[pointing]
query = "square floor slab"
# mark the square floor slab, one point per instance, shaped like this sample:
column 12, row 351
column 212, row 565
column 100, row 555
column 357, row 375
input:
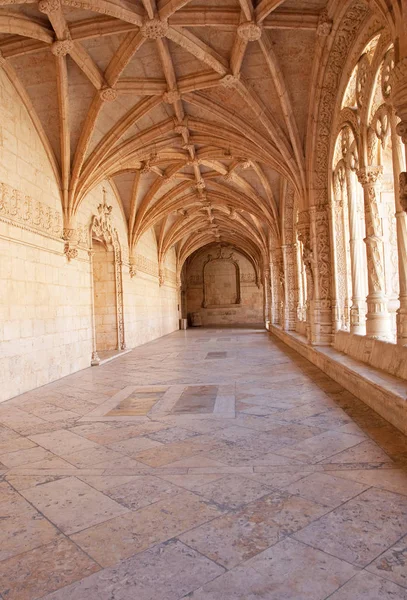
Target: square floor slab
column 72, row 504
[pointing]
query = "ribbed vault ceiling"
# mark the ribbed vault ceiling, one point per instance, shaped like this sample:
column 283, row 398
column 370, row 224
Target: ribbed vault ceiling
column 196, row 111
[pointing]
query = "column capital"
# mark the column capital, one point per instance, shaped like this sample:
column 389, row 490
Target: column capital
column 369, row 175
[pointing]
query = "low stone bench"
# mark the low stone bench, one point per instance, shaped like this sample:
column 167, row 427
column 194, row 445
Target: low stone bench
column 383, row 392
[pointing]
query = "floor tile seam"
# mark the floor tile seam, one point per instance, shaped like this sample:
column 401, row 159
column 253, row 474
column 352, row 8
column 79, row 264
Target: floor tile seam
column 375, row 486
column 362, row 441
column 344, row 583
column 61, row 533
column 291, row 537
column 331, row 510
column 381, row 554
column 225, row 569
column 368, row 487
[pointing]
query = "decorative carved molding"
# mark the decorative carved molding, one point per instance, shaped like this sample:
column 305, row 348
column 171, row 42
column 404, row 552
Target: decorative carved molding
column 154, row 29
column 49, row 6
column 249, row 31
column 108, row 94
column 171, row 96
column 222, row 255
column 62, row 47
column 30, row 214
column 102, row 229
column 230, row 81
column 324, row 26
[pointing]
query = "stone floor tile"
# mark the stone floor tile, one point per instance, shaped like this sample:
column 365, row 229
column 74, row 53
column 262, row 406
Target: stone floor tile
column 174, row 434
column 135, row 445
column 170, row 572
column 168, row 453
column 22, row 482
column 392, row 564
column 22, row 457
column 365, row 452
column 35, row 573
column 191, row 482
column 22, row 528
column 72, row 504
column 320, row 446
column 326, row 489
column 394, row 480
column 280, row 573
column 62, row 442
column 233, row 491
column 137, row 531
column 141, row 491
column 103, row 483
column 361, row 529
column 92, row 456
column 15, row 443
column 366, row 586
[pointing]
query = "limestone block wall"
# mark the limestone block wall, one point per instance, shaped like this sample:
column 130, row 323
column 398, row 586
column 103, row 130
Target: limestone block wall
column 46, row 320
column 250, row 308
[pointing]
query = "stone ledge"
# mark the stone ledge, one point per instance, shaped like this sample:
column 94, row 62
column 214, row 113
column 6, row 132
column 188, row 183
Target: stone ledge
column 384, row 393
column 386, row 356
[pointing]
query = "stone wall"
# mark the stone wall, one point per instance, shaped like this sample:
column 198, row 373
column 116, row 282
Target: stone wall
column 215, row 285
column 46, row 329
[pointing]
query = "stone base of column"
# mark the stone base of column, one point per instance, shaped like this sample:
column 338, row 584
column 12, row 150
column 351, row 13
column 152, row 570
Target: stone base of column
column 320, row 330
column 402, row 325
column 95, row 361
column 378, row 321
column 357, row 318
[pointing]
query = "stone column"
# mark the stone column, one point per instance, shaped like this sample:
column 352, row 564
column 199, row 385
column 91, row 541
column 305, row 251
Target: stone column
column 276, row 297
column 304, row 236
column 266, row 298
column 289, row 317
column 401, row 224
column 358, row 308
column 378, row 324
column 337, row 253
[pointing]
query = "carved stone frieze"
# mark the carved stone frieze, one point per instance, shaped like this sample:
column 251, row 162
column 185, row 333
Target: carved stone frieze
column 62, row 47
column 108, row 94
column 49, row 6
column 25, row 212
column 324, row 26
column 249, row 31
column 154, row 29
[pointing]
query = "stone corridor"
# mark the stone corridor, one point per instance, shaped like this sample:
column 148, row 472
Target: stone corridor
column 210, row 464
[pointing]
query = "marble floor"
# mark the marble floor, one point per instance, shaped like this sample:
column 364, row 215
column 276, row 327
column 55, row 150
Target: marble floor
column 210, row 465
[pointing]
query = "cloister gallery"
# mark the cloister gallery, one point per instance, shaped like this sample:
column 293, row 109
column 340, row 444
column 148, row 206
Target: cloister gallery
column 232, row 173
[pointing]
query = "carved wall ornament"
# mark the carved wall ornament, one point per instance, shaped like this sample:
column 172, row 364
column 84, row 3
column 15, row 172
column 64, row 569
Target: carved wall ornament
column 62, row 47
column 171, row 96
column 223, row 254
column 108, row 94
column 102, row 229
column 154, row 29
column 27, row 213
column 49, row 6
column 401, row 129
column 230, row 81
column 249, row 31
column 324, row 27
column 388, row 66
column 361, row 79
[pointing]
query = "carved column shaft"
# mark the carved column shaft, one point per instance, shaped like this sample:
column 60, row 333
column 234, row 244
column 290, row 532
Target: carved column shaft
column 358, row 308
column 377, row 318
column 276, row 297
column 289, row 319
column 401, row 224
